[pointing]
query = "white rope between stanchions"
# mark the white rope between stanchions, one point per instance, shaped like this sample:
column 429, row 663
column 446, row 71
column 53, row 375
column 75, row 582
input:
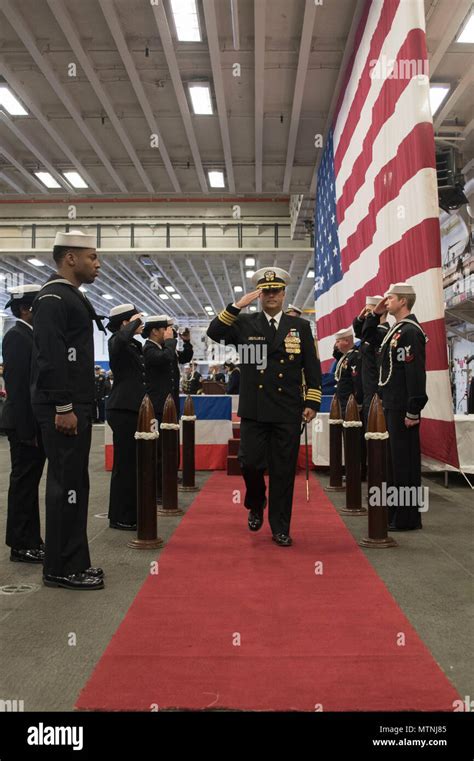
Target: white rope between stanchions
column 352, row 424
column 188, row 417
column 147, row 436
column 335, row 421
column 169, row 426
column 377, row 436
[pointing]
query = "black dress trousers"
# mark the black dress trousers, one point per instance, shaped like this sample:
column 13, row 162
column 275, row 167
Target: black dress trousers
column 23, row 520
column 123, row 483
column 67, row 491
column 274, row 446
column 405, row 456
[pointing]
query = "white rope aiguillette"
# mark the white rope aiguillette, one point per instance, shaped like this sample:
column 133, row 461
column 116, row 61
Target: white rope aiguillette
column 147, row 436
column 169, row 426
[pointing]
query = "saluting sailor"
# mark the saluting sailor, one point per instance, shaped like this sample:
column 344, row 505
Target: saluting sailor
column 123, row 404
column 26, row 448
column 161, row 369
column 62, row 398
column 402, row 387
column 348, row 369
column 371, row 334
column 275, row 349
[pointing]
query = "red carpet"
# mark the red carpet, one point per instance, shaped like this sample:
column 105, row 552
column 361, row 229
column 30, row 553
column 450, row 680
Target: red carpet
column 305, row 639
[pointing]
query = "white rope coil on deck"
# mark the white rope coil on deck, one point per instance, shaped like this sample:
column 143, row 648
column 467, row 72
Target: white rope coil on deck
column 147, row 436
column 352, row 424
column 376, row 436
column 335, row 421
column 169, row 426
column 188, row 417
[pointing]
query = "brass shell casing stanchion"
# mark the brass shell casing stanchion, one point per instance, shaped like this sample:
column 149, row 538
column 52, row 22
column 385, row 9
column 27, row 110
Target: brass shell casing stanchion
column 352, row 425
column 335, row 447
column 189, row 470
column 169, row 452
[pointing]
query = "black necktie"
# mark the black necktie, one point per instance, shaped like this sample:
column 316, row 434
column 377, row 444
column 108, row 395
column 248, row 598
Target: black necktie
column 273, row 326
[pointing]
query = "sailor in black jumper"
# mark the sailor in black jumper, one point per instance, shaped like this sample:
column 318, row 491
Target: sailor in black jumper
column 26, row 448
column 348, row 369
column 275, row 349
column 371, row 336
column 62, row 398
column 162, row 371
column 123, row 404
column 402, row 387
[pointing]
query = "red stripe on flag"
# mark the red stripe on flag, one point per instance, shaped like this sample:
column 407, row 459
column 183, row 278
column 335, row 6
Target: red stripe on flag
column 436, row 348
column 383, row 109
column 417, row 251
column 348, row 73
column 438, row 440
column 365, row 82
column 415, row 152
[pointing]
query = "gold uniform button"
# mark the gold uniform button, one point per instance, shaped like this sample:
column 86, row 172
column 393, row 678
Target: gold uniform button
column 260, row 386
column 280, row 375
column 279, row 389
column 282, row 361
column 261, row 372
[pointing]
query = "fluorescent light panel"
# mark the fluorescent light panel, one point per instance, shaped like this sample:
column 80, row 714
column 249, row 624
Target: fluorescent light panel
column 75, row 179
column 249, row 273
column 467, row 32
column 216, row 179
column 47, row 179
column 250, row 261
column 310, row 273
column 437, row 95
column 10, row 103
column 186, row 20
column 201, row 100
column 36, row 262
column 107, row 296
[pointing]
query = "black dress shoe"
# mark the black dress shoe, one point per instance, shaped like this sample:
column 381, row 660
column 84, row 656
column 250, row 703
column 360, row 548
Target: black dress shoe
column 97, row 573
column 74, row 581
column 283, row 540
column 255, row 519
column 391, row 527
column 123, row 526
column 26, row 556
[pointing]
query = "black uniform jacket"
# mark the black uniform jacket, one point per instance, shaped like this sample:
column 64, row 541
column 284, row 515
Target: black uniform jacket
column 62, row 371
column 233, row 384
column 17, row 411
column 162, row 372
column 271, row 378
column 348, row 375
column 127, row 365
column 371, row 337
column 406, row 389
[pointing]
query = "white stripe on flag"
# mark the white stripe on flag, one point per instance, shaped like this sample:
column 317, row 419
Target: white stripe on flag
column 438, row 389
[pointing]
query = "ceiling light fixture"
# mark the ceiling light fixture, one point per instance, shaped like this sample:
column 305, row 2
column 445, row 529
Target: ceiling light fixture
column 438, row 94
column 47, row 179
column 10, row 102
column 216, row 179
column 200, row 94
column 75, row 179
column 186, row 20
column 466, row 34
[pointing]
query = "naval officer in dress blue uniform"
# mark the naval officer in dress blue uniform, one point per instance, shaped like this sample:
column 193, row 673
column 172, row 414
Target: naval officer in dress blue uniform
column 26, row 448
column 275, row 348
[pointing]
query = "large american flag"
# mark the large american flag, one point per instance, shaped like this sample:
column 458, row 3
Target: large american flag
column 377, row 215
